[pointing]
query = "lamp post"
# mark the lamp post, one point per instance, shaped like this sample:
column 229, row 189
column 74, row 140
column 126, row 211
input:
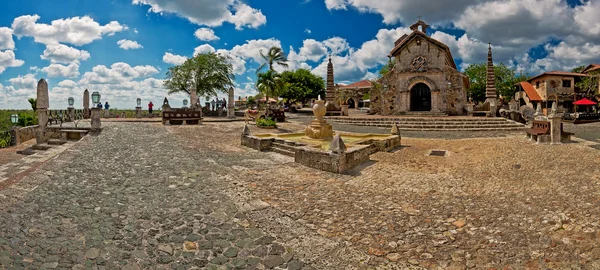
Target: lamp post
column 71, row 109
column 95, row 121
column 95, row 98
column 14, row 119
column 138, row 109
column 71, row 101
column 449, row 85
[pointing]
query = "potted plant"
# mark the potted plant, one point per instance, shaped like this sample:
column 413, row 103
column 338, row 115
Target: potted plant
column 266, row 123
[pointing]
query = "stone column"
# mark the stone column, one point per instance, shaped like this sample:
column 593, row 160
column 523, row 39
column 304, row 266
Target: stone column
column 42, row 111
column 555, row 125
column 193, row 99
column 435, row 100
column 404, row 101
column 138, row 112
column 86, row 104
column 230, row 105
column 95, row 115
column 71, row 112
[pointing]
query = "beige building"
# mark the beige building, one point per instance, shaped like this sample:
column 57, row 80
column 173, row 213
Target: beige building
column 424, row 78
column 552, row 86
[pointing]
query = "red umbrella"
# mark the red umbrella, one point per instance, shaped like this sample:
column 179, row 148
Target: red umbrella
column 584, row 101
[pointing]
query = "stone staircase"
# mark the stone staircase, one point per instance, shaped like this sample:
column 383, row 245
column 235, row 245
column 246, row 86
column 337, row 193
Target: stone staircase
column 283, row 147
column 434, row 123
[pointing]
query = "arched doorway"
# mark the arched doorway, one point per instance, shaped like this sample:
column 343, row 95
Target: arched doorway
column 351, row 104
column 420, row 98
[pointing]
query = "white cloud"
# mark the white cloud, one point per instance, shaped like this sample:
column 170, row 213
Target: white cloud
column 586, row 16
column 67, row 84
column 251, row 49
column 204, row 48
column 59, row 53
column 6, row 39
column 8, row 59
column 58, row 70
column 126, row 44
column 307, row 31
column 173, row 59
column 206, row 34
column 77, row 30
column 209, row 12
column 117, row 73
column 24, row 82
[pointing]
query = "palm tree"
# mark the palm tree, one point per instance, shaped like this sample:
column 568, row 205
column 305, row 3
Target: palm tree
column 33, row 102
column 274, row 56
column 269, row 83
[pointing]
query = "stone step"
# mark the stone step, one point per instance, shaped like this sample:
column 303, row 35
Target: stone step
column 425, row 123
column 41, row 147
column 27, row 151
column 56, row 142
column 420, row 120
column 283, row 151
column 283, row 146
column 435, row 125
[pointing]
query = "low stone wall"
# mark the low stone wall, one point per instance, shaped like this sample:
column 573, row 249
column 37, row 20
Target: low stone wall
column 332, row 162
column 25, row 134
column 256, row 143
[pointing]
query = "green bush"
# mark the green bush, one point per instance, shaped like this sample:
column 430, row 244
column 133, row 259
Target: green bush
column 266, row 122
column 27, row 119
column 5, row 139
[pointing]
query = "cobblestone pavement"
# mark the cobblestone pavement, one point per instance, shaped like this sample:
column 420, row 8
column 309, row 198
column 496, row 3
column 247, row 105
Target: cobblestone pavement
column 590, row 132
column 492, row 203
column 134, row 197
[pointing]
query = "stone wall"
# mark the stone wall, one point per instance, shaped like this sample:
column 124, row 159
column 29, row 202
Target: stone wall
column 25, row 134
column 331, row 162
column 256, row 143
column 435, row 75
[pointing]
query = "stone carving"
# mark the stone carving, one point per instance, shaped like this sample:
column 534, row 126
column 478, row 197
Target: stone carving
column 337, row 145
column 246, row 131
column 419, row 64
column 395, row 130
column 319, row 128
column 42, row 111
column 86, row 104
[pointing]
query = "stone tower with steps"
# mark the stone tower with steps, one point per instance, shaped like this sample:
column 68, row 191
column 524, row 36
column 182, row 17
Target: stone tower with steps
column 490, row 86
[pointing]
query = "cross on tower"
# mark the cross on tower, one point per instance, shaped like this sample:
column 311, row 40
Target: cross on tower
column 419, row 17
column 489, row 44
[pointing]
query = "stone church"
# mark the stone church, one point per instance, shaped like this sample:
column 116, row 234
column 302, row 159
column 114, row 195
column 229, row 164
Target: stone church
column 424, row 79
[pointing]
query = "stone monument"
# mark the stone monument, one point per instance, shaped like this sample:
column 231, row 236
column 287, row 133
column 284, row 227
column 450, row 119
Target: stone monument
column 230, row 104
column 331, row 106
column 86, row 104
column 319, row 128
column 95, row 119
column 42, row 110
column 555, row 122
column 490, row 86
column 193, row 99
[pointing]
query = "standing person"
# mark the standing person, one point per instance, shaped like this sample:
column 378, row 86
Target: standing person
column 150, row 105
column 224, row 104
column 212, row 104
column 106, row 110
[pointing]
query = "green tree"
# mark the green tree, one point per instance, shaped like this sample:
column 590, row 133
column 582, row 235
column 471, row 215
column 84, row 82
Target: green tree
column 270, row 84
column 588, row 84
column 33, row 102
column 506, row 79
column 386, row 68
column 208, row 73
column 275, row 56
column 250, row 101
column 301, row 86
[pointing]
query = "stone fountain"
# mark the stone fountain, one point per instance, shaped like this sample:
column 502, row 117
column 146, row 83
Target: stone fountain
column 319, row 128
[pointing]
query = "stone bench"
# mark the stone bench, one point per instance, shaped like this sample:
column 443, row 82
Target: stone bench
column 74, row 134
column 539, row 131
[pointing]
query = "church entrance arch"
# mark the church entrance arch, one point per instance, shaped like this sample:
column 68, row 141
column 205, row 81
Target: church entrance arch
column 351, row 103
column 420, row 98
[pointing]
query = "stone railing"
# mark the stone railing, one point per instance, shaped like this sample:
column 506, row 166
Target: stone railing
column 58, row 117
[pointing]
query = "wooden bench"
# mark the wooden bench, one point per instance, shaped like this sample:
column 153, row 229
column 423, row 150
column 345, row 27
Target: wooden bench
column 539, row 128
column 277, row 115
column 177, row 117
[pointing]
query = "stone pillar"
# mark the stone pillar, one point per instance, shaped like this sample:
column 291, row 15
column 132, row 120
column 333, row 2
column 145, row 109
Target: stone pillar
column 404, row 102
column 95, row 115
column 14, row 133
column 230, row 105
column 42, row 111
column 86, row 104
column 193, row 99
column 330, row 91
column 138, row 112
column 71, row 112
column 344, row 110
column 435, row 100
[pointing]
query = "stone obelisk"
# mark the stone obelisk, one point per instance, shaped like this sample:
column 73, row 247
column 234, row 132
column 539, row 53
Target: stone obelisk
column 193, row 99
column 86, row 104
column 42, row 105
column 230, row 104
column 330, row 91
column 490, row 86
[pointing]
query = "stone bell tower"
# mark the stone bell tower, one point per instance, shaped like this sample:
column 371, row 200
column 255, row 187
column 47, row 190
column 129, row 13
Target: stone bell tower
column 490, row 86
column 330, row 92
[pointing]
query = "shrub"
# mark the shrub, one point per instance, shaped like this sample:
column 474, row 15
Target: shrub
column 266, row 122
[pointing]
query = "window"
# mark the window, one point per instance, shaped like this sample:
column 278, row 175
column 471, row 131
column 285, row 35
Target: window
column 566, row 83
column 537, row 84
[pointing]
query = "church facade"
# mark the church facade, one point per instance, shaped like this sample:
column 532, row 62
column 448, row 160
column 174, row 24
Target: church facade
column 424, row 78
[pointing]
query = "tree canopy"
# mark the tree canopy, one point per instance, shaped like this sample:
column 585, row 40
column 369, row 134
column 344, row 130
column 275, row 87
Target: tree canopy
column 301, row 86
column 269, row 83
column 208, row 73
column 506, row 79
column 275, row 56
column 588, row 84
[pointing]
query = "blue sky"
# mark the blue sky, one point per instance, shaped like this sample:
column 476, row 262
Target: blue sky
column 122, row 48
